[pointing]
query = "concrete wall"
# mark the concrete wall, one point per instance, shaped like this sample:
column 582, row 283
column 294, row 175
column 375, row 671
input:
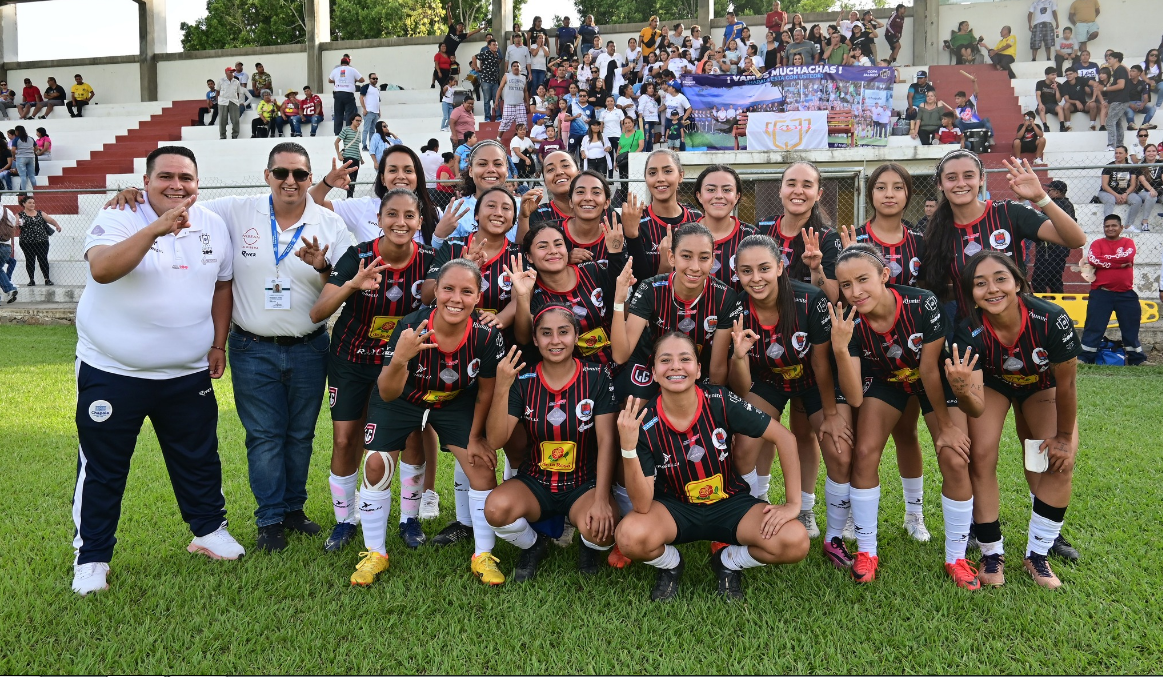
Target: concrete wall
column 114, row 79
column 185, row 78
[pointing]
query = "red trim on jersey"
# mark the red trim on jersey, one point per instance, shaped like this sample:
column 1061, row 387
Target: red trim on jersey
column 694, row 421
column 1025, row 314
column 895, row 318
column 658, row 219
column 401, row 269
column 576, row 282
column 974, row 222
column 751, row 307
column 577, row 370
column 562, row 215
column 733, row 233
column 872, row 236
column 463, row 339
column 583, row 245
column 504, row 248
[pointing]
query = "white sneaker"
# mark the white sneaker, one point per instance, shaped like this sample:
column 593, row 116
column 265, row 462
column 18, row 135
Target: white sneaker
column 1110, row 148
column 90, row 577
column 217, row 545
column 429, row 505
column 1039, row 161
column 808, row 519
column 566, row 537
column 915, row 526
column 1132, row 229
column 849, row 533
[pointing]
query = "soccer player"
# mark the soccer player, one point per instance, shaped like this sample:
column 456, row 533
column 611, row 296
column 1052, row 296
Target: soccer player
column 377, row 283
column 803, row 219
column 439, row 370
column 1024, row 352
column 487, row 167
column 677, row 459
column 558, row 169
column 888, row 351
column 718, row 190
column 782, row 352
column 890, row 189
column 589, row 201
column 567, row 409
column 665, row 213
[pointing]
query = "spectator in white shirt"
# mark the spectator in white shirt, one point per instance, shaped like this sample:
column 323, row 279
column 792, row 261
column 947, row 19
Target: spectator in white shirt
column 344, row 79
column 520, row 53
column 232, row 95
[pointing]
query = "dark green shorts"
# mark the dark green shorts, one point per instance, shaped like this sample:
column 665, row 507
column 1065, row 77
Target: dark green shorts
column 349, row 385
column 390, row 423
column 1011, row 392
column 899, row 399
column 777, row 398
column 554, row 502
column 715, row 522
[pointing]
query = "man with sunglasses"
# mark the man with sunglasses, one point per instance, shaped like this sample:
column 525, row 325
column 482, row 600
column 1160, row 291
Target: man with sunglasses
column 7, row 99
column 278, row 356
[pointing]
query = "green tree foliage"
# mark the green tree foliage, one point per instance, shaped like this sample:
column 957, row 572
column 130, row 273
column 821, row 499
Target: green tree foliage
column 637, row 11
column 246, row 23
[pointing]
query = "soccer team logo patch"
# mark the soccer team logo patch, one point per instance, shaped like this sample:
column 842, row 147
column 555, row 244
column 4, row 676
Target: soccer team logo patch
column 999, row 239
column 585, row 410
column 332, row 394
column 640, row 375
column 369, row 433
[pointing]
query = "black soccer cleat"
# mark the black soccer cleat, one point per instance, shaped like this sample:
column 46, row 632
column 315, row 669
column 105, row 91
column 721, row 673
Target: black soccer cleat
column 1062, row 548
column 730, row 581
column 455, row 532
column 297, row 520
column 587, row 559
column 529, row 560
column 666, row 584
column 341, row 534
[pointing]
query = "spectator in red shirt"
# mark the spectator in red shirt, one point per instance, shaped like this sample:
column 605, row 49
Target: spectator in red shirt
column 311, row 108
column 448, row 171
column 776, row 18
column 559, row 83
column 33, row 101
column 462, row 121
column 443, row 66
column 894, row 30
column 1113, row 289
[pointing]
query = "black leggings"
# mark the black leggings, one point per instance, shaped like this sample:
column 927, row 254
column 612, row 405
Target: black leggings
column 353, row 175
column 34, row 251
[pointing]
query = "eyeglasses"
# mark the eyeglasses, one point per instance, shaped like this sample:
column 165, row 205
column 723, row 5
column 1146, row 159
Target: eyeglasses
column 1142, row 136
column 281, row 174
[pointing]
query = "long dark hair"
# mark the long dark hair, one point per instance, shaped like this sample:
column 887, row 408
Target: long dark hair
column 785, row 303
column 532, row 233
column 941, row 236
column 817, row 220
column 21, row 132
column 897, row 169
column 428, row 217
column 1025, row 292
column 711, row 170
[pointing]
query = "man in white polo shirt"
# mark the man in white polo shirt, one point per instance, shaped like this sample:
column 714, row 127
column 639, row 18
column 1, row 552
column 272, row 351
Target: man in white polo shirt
column 343, row 80
column 278, row 356
column 151, row 334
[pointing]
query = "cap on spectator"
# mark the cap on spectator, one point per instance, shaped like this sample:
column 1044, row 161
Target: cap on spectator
column 538, row 117
column 922, row 74
column 345, row 60
column 230, row 69
column 1059, row 186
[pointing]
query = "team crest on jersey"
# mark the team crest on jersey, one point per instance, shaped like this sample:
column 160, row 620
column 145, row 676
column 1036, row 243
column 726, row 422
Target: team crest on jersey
column 916, row 341
column 369, row 433
column 585, row 410
column 915, row 266
column 1040, row 357
column 719, row 438
column 332, row 394
column 999, row 239
column 710, row 324
column 799, row 343
column 416, row 288
column 474, row 368
column 640, row 375
column 867, row 383
column 597, row 297
column 505, row 280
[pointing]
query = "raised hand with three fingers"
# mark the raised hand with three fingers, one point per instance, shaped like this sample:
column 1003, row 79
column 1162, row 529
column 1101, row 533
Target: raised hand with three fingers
column 369, row 276
column 630, row 422
column 311, row 254
column 413, row 341
column 631, row 214
column 812, row 257
column 742, row 339
column 612, row 232
column 847, row 236
column 524, row 280
column 843, row 323
column 508, row 368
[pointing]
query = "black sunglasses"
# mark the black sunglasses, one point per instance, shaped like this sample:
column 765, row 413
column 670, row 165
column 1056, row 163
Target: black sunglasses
column 281, row 174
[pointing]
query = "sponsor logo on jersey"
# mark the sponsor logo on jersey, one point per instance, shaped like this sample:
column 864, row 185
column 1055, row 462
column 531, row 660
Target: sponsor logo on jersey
column 369, row 433
column 383, row 326
column 100, row 410
column 915, row 266
column 528, row 374
column 650, row 424
column 597, row 298
column 592, row 341
column 416, row 289
column 709, row 490
column 1063, row 322
column 661, row 283
column 585, row 409
column 999, row 239
column 558, row 456
column 332, row 394
column 250, row 239
column 719, row 438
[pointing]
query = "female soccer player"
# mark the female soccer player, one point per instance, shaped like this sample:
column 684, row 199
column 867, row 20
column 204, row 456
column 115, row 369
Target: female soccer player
column 809, row 245
column 488, row 167
column 567, row 409
column 1024, row 352
column 717, row 190
column 782, row 351
column 890, row 189
column 888, row 351
column 677, row 459
column 439, row 371
column 558, row 169
column 376, row 283
column 660, row 218
column 589, row 201
column 583, row 287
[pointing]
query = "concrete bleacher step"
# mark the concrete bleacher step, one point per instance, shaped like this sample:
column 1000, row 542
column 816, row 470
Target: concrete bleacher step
column 43, row 294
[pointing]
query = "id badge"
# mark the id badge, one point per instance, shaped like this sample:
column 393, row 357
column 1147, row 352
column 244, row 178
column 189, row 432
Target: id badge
column 277, row 294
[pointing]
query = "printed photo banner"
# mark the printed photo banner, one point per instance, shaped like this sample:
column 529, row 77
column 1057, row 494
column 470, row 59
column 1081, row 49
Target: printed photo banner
column 837, row 103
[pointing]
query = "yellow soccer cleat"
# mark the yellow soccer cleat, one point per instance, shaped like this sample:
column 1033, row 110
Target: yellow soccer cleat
column 372, row 564
column 484, row 567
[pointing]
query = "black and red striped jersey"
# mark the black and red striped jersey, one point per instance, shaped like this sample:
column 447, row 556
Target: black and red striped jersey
column 829, row 247
column 496, row 287
column 547, row 213
column 560, row 423
column 654, row 301
column 695, row 465
column 903, row 258
column 595, row 284
column 440, row 374
column 723, row 264
column 1001, row 228
column 1046, row 338
column 652, row 230
column 781, row 355
column 895, row 356
column 369, row 317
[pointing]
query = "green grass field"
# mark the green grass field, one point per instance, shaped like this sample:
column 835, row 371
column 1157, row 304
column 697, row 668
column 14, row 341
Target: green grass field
column 172, row 612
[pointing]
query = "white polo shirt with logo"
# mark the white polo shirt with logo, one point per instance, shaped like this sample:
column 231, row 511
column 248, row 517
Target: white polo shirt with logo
column 248, row 221
column 154, row 322
column 344, row 78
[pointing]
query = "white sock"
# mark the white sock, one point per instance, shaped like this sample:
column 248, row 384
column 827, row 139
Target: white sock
column 510, row 472
column 865, row 510
column 807, row 501
column 460, row 486
column 482, row 531
column 958, row 515
column 1042, row 533
column 669, row 558
column 595, row 546
column 996, row 548
column 837, row 498
column 373, row 513
column 518, row 533
column 622, row 498
column 762, row 484
column 738, row 557
column 411, row 487
column 343, row 497
column 752, row 480
column 914, row 489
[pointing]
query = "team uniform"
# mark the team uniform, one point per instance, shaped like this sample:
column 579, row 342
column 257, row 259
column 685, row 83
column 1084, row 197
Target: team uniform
column 890, row 362
column 1020, row 370
column 695, row 476
column 595, row 283
column 597, row 248
column 829, row 246
column 780, row 364
column 496, row 286
column 655, row 302
column 366, row 323
column 902, row 258
column 723, row 264
column 563, row 461
column 651, row 231
column 548, row 213
column 440, row 389
column 1001, row 228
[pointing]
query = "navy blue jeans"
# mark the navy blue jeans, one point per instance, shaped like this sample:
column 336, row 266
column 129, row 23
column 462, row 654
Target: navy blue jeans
column 1128, row 313
column 278, row 391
